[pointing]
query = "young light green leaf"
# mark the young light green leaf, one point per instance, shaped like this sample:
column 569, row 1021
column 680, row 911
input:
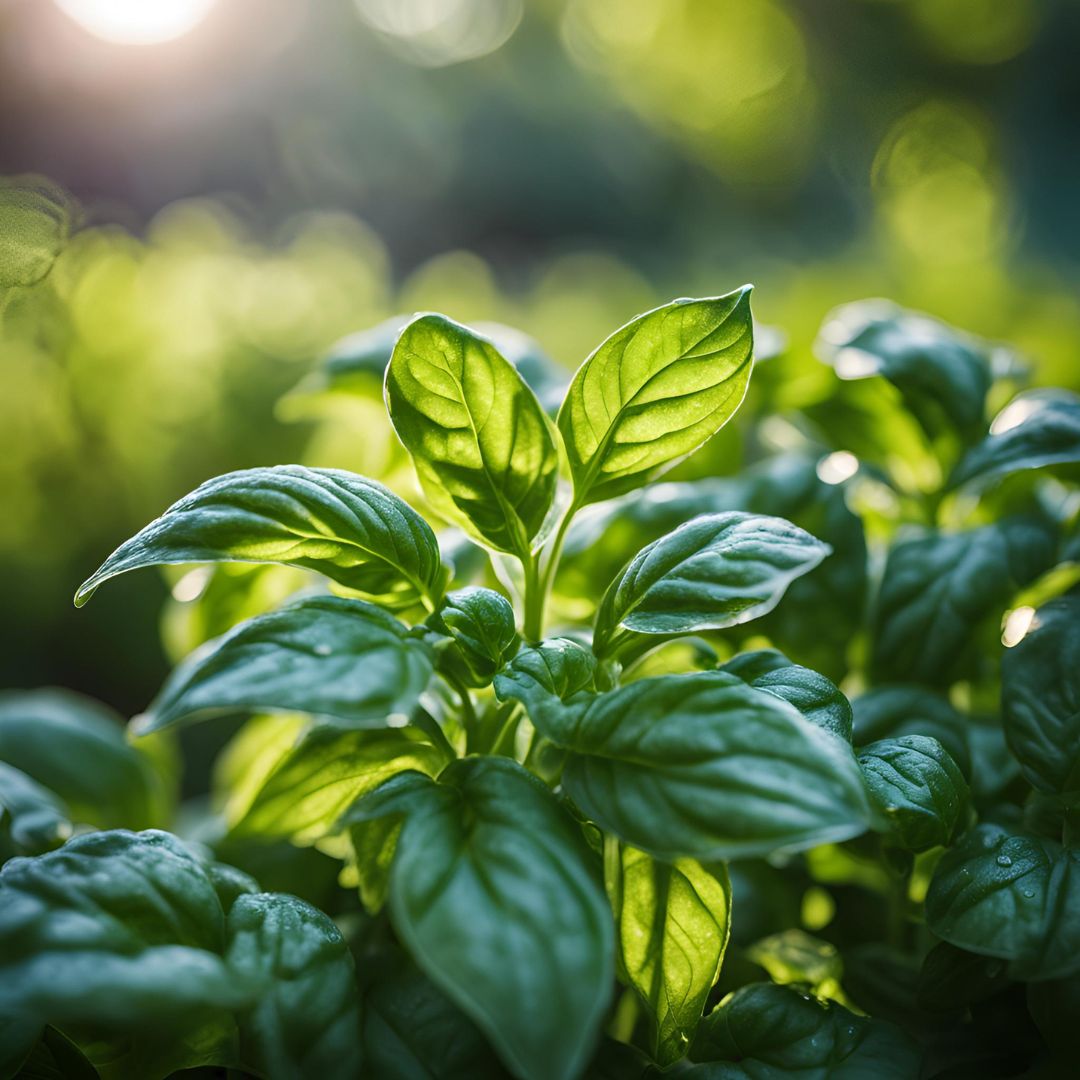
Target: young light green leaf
column 1035, row 430
column 32, row 818
column 794, row 956
column 482, row 628
column 76, row 748
column 341, row 659
column 326, row 772
column 672, row 922
column 1040, row 697
column 1013, row 896
column 942, row 373
column 939, row 588
column 768, row 1031
column 35, row 221
column 492, row 891
column 351, row 529
column 715, row 571
column 703, row 766
column 655, row 391
column 114, row 927
column 918, row 787
column 306, row 1021
column 483, row 448
column 888, row 712
column 817, row 698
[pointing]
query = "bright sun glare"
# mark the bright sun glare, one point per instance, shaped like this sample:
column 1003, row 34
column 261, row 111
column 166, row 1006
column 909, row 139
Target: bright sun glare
column 136, row 22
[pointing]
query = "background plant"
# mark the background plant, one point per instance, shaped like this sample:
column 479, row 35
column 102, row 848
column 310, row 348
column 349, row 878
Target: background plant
column 593, row 736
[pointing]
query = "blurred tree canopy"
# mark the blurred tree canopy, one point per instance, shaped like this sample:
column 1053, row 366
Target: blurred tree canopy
column 221, row 208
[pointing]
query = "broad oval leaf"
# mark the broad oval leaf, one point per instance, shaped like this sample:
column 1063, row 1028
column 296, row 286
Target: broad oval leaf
column 888, row 712
column 492, row 891
column 308, row 790
column 482, row 446
column 545, row 676
column 1036, row 429
column 483, row 631
column 32, row 818
column 1016, row 897
column 942, row 373
column 76, row 747
column 715, row 571
column 672, row 922
column 938, row 589
column 351, row 529
column 1040, row 697
column 655, row 391
column 918, row 787
column 306, row 1021
column 768, row 1031
column 704, row 766
column 326, row 655
column 112, row 927
column 819, row 699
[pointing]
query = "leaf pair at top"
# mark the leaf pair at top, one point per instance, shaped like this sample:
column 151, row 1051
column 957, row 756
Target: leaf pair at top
column 486, row 453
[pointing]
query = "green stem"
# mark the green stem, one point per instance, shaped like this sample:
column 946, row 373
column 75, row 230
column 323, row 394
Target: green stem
column 538, row 584
column 430, row 727
column 468, row 711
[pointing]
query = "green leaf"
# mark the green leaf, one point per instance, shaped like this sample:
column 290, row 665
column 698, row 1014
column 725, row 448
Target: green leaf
column 1036, row 429
column 309, row 788
column 918, row 787
column 888, row 712
column 32, row 818
column 768, row 1032
column 1040, row 697
column 672, row 923
column 1013, row 896
column 938, row 589
column 345, row 660
column 306, row 1021
column 113, row 927
column 794, row 956
column 481, row 624
column 817, row 698
column 412, row 1031
column 951, row 978
column 56, row 1057
column 545, row 676
column 655, row 391
column 703, row 766
column 715, row 571
column 35, row 221
column 492, row 891
column 942, row 373
column 351, row 529
column 483, row 448
column 76, row 748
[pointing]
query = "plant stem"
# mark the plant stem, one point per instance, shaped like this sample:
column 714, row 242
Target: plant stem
column 538, row 584
column 468, row 711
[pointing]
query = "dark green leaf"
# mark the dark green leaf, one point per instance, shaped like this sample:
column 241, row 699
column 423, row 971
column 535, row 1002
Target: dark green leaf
column 672, row 923
column 482, row 446
column 113, row 927
column 545, row 676
column 1040, row 697
column 412, row 1031
column 342, row 659
column 32, row 818
column 888, row 712
column 56, row 1057
column 492, row 892
column 481, row 624
column 715, row 571
column 306, row 1021
column 938, row 589
column 952, row 978
column 766, row 1031
column 918, row 787
column 942, row 373
column 309, row 789
column 704, row 766
column 76, row 748
column 817, row 698
column 655, row 391
column 351, row 529
column 1016, row 897
column 1035, row 430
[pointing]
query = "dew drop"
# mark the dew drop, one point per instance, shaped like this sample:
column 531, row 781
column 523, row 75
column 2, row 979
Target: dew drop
column 1029, row 893
column 1004, row 860
column 323, row 650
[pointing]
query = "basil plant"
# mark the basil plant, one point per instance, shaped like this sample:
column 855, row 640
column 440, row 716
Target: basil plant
column 570, row 787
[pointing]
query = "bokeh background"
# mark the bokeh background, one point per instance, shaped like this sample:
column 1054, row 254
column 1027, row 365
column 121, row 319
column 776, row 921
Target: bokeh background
column 209, row 213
